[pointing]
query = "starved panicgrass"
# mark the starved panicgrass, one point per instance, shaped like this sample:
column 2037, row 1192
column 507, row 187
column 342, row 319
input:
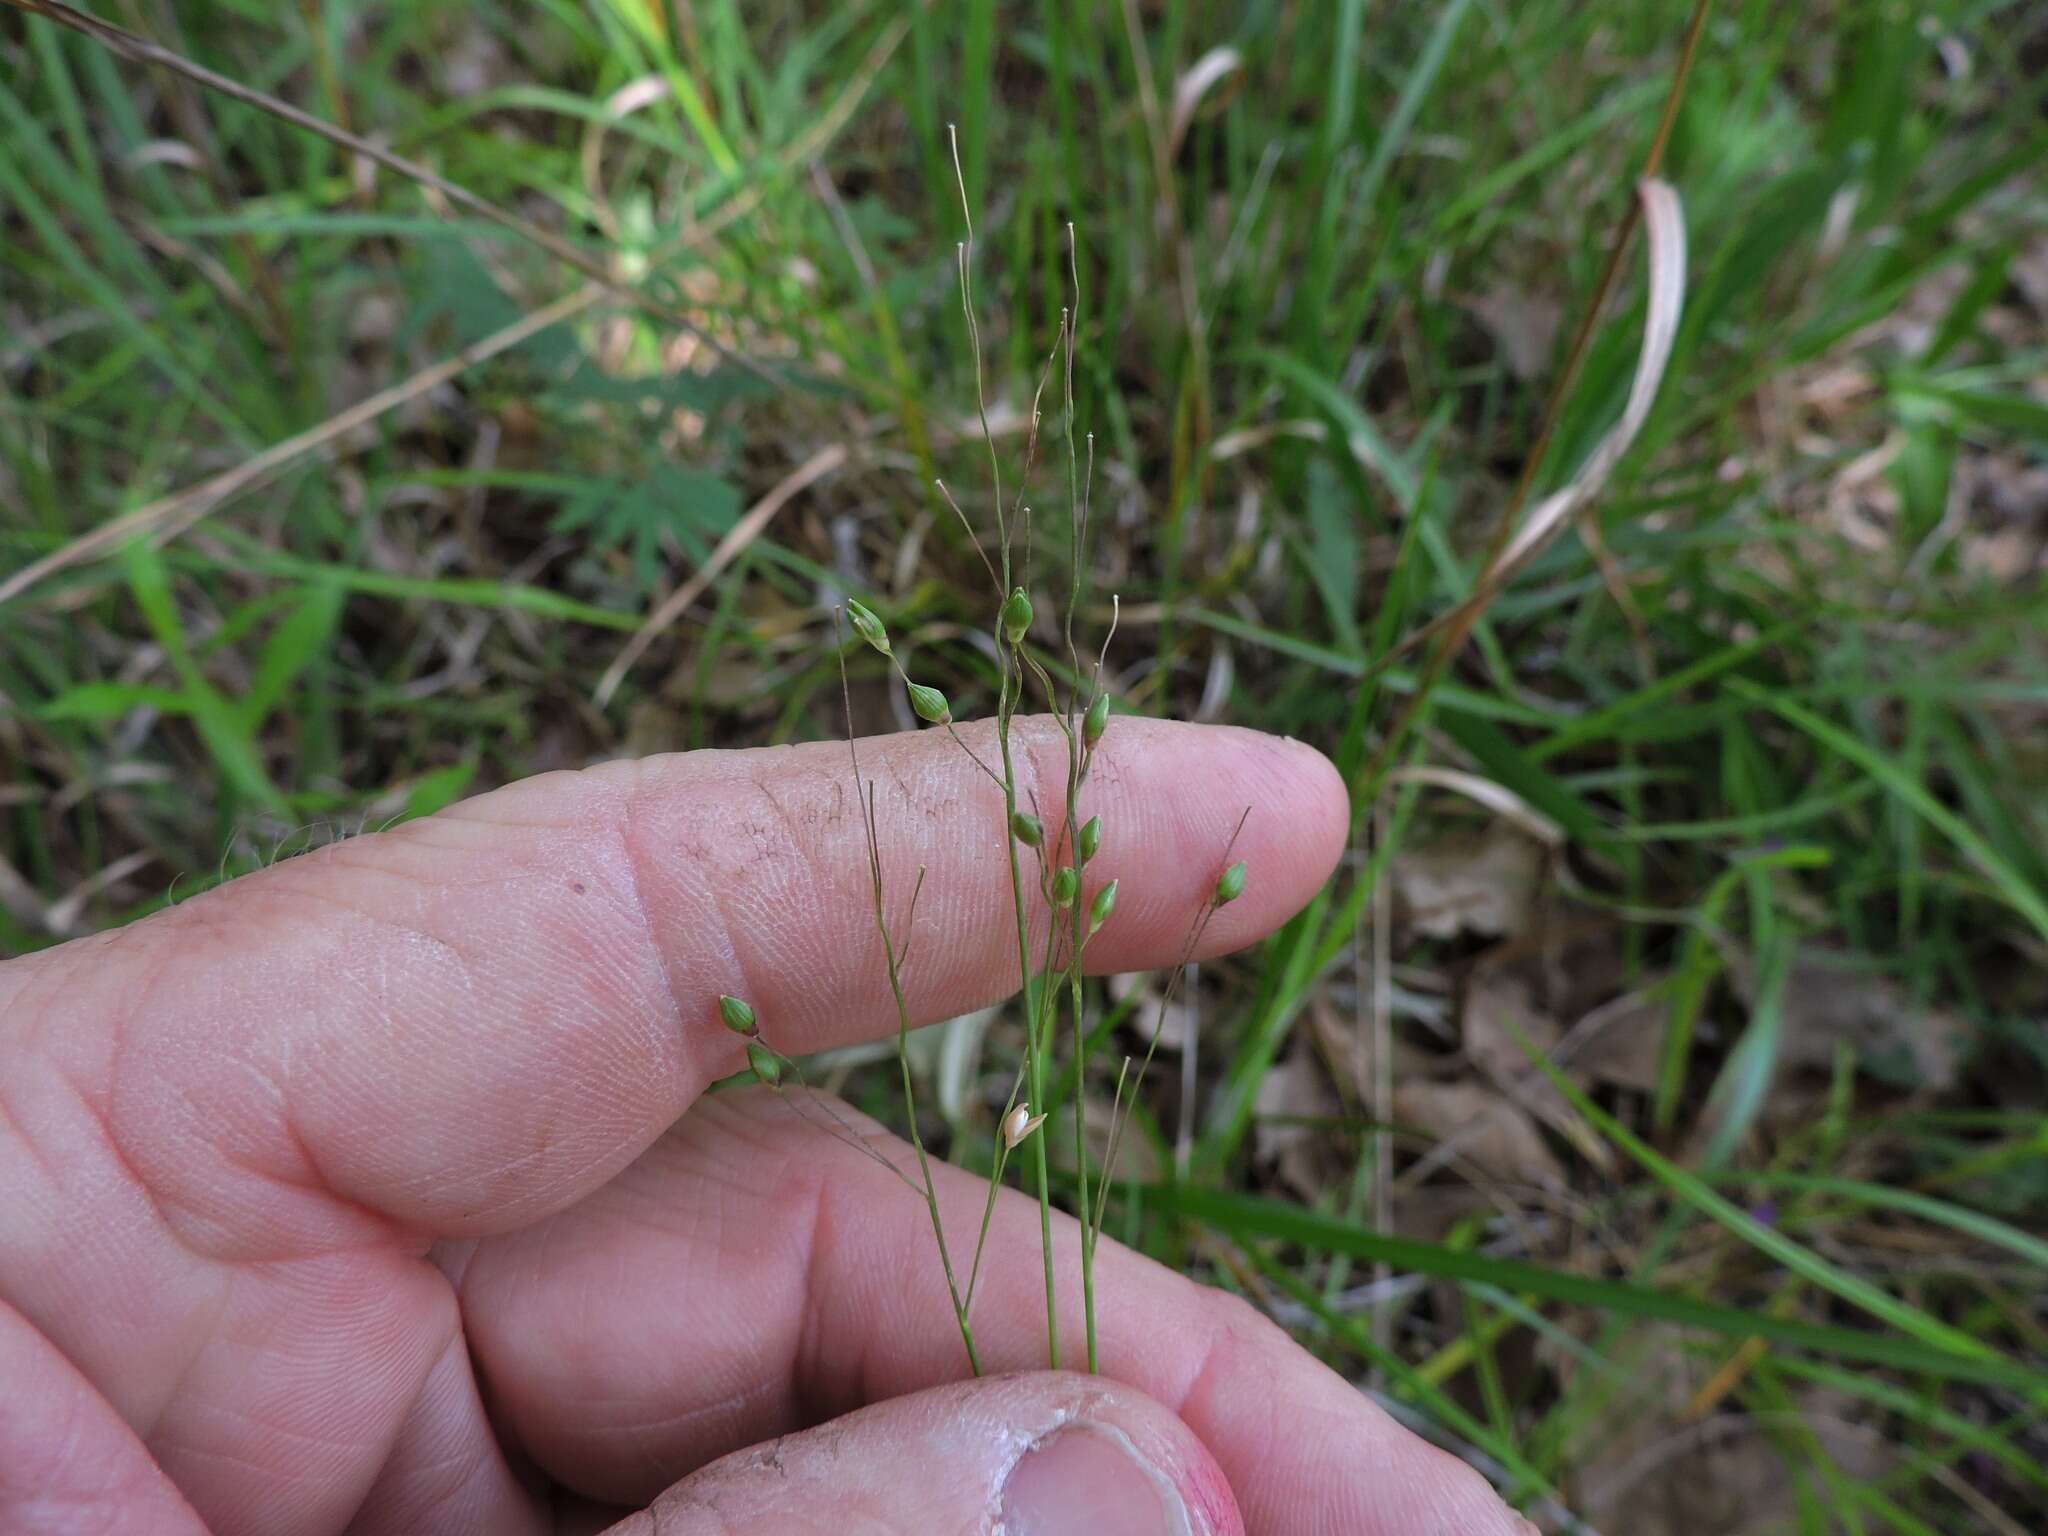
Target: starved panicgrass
column 1078, row 702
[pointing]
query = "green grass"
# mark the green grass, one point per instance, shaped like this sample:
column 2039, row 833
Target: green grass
column 1827, row 744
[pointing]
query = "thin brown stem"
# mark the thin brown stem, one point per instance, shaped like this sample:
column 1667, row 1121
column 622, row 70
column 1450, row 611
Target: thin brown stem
column 1118, row 1120
column 1458, row 625
column 966, row 258
column 974, row 539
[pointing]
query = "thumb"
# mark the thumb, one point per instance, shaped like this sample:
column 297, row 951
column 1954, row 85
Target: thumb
column 1044, row 1454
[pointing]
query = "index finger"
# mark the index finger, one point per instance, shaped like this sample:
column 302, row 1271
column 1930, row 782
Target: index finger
column 475, row 1019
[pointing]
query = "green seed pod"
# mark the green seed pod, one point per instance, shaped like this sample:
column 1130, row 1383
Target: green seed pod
column 1016, row 615
column 1096, row 721
column 1088, row 841
column 867, row 626
column 1230, row 884
column 1103, row 905
column 930, row 704
column 739, row 1018
column 766, row 1064
column 1065, row 886
column 1026, row 829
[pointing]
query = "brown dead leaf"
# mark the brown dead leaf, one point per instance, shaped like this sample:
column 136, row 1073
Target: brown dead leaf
column 2005, row 534
column 373, row 318
column 2004, row 487
column 1175, row 1022
column 2029, row 274
column 1641, row 1437
column 1618, row 1043
column 1708, row 1479
column 1347, row 1046
column 1136, row 1158
column 1523, row 327
column 732, row 681
column 1833, row 394
column 1481, row 884
column 655, row 727
column 1896, row 1039
column 1431, row 1212
column 1494, row 1000
column 2008, row 557
column 1656, row 1475
column 1479, row 1125
column 1296, row 1091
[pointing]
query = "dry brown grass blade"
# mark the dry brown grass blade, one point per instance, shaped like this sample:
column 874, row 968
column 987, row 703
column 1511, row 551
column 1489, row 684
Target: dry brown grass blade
column 1202, row 77
column 1665, row 220
column 1459, row 622
column 1516, row 546
column 25, row 904
column 1495, row 797
column 737, row 538
column 169, row 516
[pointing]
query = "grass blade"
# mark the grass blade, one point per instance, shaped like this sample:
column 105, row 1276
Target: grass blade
column 1802, row 1261
column 1245, row 1216
column 2017, row 890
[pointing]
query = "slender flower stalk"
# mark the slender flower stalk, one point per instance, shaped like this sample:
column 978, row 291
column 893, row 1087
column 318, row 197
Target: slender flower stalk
column 1013, row 621
column 1082, row 736
column 892, row 955
column 1060, row 845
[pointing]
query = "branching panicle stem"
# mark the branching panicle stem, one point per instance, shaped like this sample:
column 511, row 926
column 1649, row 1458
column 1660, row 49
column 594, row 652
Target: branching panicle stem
column 892, row 957
column 1062, row 854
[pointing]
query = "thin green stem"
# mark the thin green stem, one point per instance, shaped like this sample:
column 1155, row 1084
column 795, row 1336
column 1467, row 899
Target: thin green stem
column 1009, row 1104
column 1081, row 1141
column 924, row 1168
column 1118, row 1120
column 1034, row 1042
column 1008, row 698
column 1070, row 973
column 892, row 956
column 1077, row 767
column 938, row 1228
column 995, row 1184
column 995, row 471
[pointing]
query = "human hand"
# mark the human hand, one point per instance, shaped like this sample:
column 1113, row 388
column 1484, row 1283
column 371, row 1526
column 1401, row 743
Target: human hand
column 359, row 1193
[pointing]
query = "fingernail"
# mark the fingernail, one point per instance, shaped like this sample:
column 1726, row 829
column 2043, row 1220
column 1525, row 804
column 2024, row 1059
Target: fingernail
column 1085, row 1481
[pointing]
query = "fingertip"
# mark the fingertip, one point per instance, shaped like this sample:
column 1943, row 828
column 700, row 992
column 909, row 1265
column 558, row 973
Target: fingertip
column 1231, row 794
column 1308, row 804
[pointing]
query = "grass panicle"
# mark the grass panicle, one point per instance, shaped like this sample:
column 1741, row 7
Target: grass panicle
column 584, row 365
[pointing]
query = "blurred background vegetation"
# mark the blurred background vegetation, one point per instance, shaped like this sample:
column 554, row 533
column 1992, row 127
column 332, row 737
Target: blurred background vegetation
column 1748, row 830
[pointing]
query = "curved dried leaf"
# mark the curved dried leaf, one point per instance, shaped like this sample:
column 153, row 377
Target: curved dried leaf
column 1664, row 223
column 1207, row 72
